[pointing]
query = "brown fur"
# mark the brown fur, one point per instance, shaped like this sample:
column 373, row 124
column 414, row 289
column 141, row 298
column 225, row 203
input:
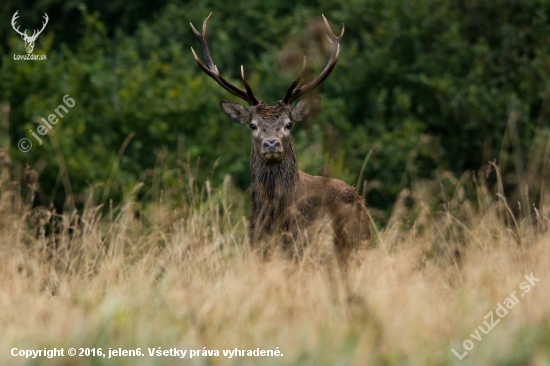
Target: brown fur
column 285, row 199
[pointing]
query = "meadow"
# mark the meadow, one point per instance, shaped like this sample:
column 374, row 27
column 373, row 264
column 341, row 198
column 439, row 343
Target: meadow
column 133, row 239
column 176, row 271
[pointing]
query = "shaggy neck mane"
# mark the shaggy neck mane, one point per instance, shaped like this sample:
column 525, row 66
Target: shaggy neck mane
column 273, row 188
column 274, row 180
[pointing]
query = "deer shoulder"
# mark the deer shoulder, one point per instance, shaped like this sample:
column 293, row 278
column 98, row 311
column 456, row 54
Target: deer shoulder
column 326, row 193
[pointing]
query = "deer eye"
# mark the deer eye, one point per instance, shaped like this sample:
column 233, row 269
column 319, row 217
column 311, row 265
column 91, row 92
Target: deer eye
column 289, row 125
column 252, row 126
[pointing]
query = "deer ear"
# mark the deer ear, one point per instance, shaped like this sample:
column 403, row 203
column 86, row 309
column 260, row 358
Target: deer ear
column 304, row 108
column 237, row 112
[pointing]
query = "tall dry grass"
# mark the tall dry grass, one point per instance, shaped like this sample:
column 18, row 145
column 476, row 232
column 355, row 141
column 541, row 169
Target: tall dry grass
column 178, row 273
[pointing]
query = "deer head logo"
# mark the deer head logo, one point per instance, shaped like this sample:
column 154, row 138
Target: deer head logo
column 29, row 40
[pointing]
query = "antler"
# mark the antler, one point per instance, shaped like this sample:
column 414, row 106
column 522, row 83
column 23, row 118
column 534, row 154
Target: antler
column 15, row 16
column 43, row 26
column 213, row 72
column 34, row 34
column 294, row 92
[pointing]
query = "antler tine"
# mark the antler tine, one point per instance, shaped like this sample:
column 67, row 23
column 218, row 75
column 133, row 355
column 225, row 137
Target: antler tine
column 215, row 74
column 36, row 32
column 44, row 23
column 211, row 70
column 248, row 88
column 294, row 83
column 304, row 89
column 202, row 40
column 13, row 19
column 329, row 29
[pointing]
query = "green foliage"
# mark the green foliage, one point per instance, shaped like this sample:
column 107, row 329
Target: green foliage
column 450, row 71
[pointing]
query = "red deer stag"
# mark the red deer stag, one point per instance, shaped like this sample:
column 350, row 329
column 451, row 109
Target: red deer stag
column 283, row 197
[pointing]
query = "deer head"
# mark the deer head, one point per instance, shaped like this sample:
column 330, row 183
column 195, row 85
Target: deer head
column 270, row 125
column 29, row 40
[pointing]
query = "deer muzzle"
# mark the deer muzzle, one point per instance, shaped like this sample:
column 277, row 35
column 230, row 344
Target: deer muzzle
column 272, row 149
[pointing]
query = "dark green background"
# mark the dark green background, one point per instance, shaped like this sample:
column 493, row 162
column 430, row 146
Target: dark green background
column 429, row 82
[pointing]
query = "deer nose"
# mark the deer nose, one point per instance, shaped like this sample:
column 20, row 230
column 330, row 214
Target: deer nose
column 272, row 145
